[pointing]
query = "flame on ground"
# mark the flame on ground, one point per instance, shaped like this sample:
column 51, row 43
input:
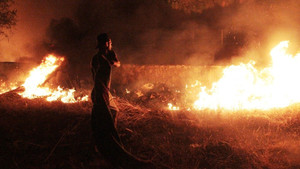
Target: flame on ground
column 172, row 107
column 4, row 87
column 245, row 87
column 34, row 83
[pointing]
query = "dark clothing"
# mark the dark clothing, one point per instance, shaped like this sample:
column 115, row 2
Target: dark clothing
column 109, row 143
column 101, row 69
column 104, row 131
column 102, row 117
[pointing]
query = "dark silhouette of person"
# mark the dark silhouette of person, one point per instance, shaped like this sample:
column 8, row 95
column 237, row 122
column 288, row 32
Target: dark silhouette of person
column 104, row 130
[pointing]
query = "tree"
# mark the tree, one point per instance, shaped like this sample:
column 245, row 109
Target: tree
column 7, row 16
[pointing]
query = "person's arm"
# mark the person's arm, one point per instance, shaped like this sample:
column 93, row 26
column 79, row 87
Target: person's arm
column 114, row 59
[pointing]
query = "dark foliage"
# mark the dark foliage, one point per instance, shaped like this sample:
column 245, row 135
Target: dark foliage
column 7, row 16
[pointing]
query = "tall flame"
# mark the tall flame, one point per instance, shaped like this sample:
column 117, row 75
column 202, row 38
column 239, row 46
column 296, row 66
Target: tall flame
column 34, row 83
column 39, row 75
column 245, row 87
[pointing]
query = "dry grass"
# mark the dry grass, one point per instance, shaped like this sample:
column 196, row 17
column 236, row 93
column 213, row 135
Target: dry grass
column 39, row 134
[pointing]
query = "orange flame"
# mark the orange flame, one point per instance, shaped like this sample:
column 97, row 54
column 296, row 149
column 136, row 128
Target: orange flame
column 4, row 87
column 245, row 87
column 172, row 107
column 33, row 84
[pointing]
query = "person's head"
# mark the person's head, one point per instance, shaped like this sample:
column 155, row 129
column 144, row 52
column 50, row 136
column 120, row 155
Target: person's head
column 104, row 42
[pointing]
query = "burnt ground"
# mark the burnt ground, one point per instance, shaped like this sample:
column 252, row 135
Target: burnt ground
column 37, row 134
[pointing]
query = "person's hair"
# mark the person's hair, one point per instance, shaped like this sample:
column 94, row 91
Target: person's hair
column 101, row 39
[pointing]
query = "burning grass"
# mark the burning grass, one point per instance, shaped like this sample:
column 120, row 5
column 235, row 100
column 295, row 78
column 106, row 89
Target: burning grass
column 40, row 134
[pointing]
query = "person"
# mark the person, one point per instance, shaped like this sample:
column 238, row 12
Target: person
column 104, row 111
column 101, row 70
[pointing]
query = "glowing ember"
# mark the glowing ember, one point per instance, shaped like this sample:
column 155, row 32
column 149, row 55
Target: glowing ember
column 34, row 83
column 66, row 96
column 171, row 107
column 4, row 87
column 127, row 91
column 245, row 87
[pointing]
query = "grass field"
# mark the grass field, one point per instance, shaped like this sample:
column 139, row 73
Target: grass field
column 37, row 134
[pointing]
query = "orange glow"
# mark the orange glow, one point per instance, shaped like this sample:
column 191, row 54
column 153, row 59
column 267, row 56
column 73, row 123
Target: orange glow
column 245, row 87
column 34, row 83
column 172, row 107
column 4, row 87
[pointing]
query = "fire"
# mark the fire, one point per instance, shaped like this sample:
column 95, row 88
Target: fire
column 39, row 75
column 34, row 83
column 172, row 107
column 245, row 87
column 4, row 87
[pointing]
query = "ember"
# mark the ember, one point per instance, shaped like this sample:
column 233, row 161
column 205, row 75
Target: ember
column 172, row 107
column 4, row 87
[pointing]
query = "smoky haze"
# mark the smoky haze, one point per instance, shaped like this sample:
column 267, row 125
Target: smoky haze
column 25, row 40
column 151, row 32
column 143, row 32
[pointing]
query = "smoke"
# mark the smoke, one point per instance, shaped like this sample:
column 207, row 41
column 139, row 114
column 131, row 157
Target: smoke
column 26, row 40
column 143, row 32
column 152, row 32
column 253, row 28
